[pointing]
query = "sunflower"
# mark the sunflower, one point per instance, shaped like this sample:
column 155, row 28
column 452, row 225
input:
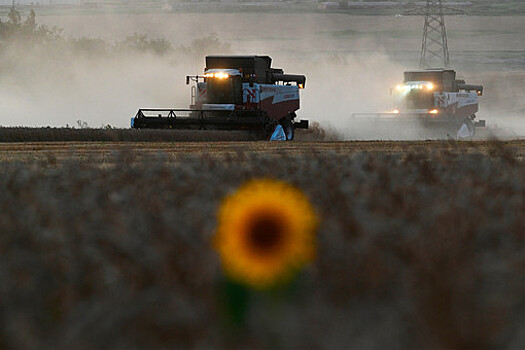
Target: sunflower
column 266, row 232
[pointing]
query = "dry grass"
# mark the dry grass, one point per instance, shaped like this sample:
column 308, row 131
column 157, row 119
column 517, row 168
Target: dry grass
column 419, row 246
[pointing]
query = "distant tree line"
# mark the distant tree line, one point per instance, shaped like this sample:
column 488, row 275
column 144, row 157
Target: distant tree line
column 27, row 33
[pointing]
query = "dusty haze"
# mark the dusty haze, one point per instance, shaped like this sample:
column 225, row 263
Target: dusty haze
column 350, row 63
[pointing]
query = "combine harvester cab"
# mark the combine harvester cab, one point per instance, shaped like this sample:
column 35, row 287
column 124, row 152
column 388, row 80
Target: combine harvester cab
column 436, row 100
column 235, row 93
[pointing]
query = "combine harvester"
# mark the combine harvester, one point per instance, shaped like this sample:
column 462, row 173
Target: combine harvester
column 436, row 101
column 235, row 93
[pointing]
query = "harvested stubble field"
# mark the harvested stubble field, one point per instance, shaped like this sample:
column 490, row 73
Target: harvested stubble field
column 103, row 153
column 419, row 245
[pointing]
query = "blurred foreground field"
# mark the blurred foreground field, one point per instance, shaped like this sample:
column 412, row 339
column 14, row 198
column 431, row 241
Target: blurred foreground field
column 108, row 245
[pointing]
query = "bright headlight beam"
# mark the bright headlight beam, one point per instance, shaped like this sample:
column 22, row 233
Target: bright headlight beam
column 219, row 75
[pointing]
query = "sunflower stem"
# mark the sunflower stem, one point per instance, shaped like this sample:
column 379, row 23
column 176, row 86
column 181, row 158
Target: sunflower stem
column 235, row 302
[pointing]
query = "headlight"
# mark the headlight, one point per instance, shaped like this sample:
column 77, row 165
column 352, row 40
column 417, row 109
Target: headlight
column 219, row 75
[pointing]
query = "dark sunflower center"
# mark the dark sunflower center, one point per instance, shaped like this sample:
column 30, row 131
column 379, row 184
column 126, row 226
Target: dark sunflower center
column 265, row 234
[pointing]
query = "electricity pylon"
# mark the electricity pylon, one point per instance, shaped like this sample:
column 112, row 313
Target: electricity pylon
column 434, row 46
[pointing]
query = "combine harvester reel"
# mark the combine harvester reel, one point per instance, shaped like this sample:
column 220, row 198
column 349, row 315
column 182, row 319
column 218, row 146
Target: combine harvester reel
column 235, row 93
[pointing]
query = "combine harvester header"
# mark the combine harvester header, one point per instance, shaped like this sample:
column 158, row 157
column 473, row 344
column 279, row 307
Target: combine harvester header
column 235, row 93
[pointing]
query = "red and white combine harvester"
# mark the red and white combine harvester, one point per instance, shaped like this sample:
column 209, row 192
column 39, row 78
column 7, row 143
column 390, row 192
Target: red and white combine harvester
column 235, row 93
column 437, row 101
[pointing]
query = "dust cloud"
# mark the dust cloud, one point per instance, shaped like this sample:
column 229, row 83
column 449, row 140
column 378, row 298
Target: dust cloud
column 503, row 105
column 98, row 91
column 349, row 67
column 339, row 86
column 58, row 86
